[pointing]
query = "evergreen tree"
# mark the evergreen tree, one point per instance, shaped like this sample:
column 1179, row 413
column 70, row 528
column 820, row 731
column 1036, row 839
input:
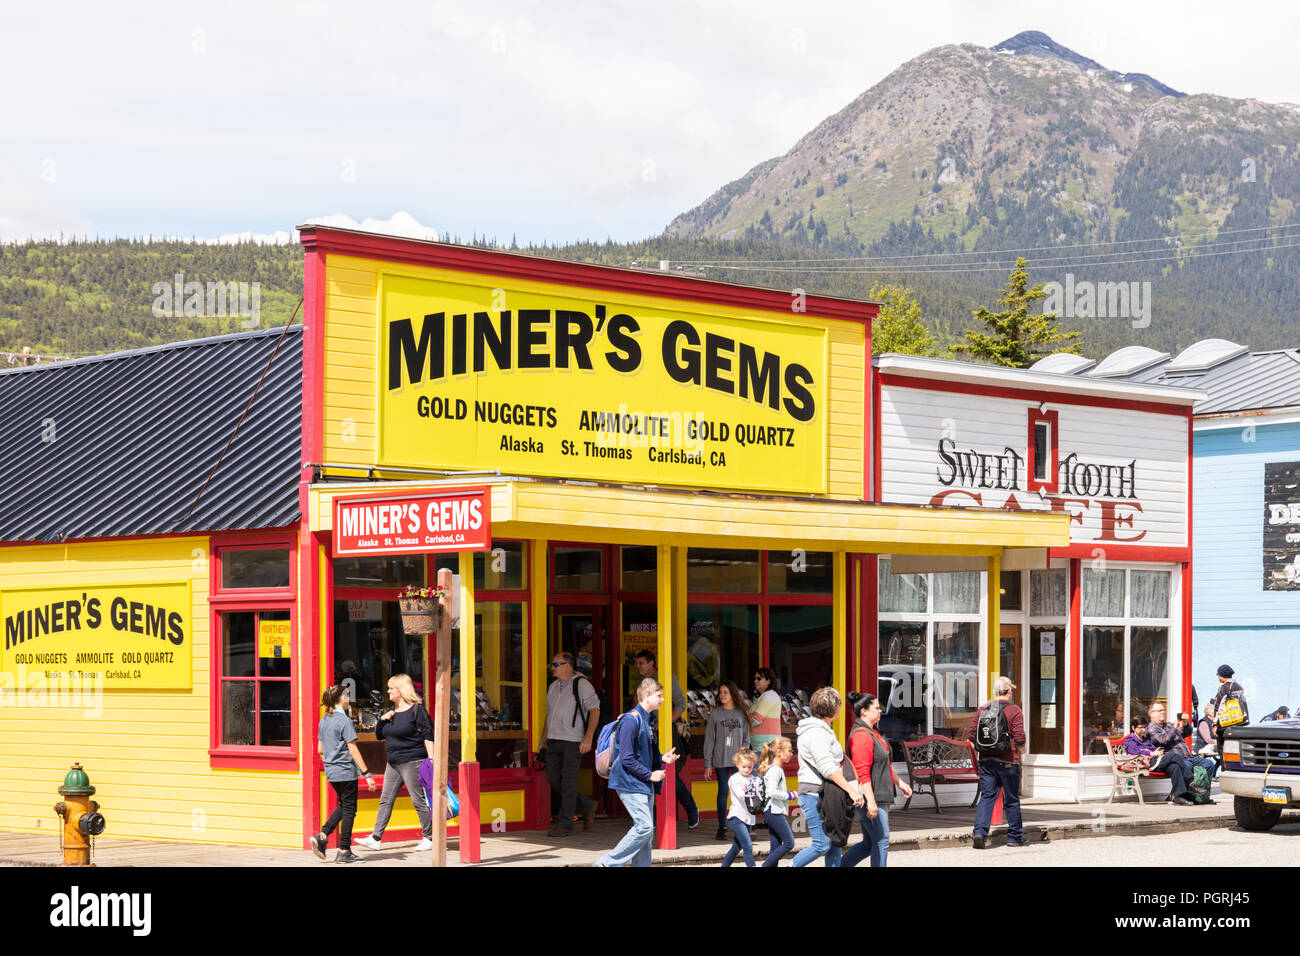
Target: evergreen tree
column 898, row 327
column 1018, row 339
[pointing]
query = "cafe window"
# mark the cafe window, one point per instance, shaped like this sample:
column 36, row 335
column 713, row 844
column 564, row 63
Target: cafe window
column 254, row 642
column 929, row 653
column 1126, row 630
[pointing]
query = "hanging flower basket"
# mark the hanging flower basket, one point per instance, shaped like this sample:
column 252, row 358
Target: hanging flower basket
column 421, row 610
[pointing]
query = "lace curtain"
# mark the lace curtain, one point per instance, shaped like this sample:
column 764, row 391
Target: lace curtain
column 1150, row 594
column 957, row 591
column 1047, row 593
column 1103, row 593
column 900, row 592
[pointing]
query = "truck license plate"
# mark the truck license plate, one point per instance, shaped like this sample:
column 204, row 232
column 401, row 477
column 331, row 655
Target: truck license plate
column 1280, row 795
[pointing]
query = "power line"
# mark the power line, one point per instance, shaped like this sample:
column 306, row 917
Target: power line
column 1173, row 237
column 965, row 269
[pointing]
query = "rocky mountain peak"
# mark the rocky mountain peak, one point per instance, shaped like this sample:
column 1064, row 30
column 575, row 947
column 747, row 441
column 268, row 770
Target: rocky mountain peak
column 1039, row 44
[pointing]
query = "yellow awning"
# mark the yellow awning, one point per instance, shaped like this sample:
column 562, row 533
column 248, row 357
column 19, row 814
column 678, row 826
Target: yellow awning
column 557, row 510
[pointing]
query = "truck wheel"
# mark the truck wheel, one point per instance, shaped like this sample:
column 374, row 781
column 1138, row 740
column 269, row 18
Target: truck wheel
column 1255, row 815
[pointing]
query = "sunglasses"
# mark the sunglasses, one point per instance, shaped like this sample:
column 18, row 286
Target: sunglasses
column 558, row 663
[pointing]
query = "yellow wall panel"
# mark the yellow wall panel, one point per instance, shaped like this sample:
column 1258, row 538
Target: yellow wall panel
column 146, row 752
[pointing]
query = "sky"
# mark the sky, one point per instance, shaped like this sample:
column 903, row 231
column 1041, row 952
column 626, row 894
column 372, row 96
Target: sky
column 543, row 121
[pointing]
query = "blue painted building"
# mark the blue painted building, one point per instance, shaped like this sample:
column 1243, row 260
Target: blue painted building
column 1245, row 530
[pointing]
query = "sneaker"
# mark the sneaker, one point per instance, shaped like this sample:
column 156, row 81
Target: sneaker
column 692, row 819
column 979, row 841
column 1017, row 843
column 318, row 845
column 1183, row 801
column 369, row 842
column 347, row 856
column 589, row 817
column 424, row 844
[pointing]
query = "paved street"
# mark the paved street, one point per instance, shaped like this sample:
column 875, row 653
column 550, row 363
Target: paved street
column 1221, row 846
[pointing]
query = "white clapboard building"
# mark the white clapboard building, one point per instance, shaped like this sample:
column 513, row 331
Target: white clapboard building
column 1092, row 634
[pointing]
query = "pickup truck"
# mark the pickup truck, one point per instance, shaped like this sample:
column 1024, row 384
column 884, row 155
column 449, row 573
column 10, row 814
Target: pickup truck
column 1261, row 769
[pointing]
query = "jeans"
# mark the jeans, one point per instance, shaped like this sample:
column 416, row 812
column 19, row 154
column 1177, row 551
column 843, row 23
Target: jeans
column 723, row 774
column 1209, row 763
column 875, row 839
column 780, row 839
column 344, row 813
column 740, row 842
column 634, row 848
column 562, row 762
column 821, row 843
column 998, row 775
column 1179, row 771
column 406, row 772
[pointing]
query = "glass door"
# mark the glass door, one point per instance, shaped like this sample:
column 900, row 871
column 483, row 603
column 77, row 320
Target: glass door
column 1045, row 710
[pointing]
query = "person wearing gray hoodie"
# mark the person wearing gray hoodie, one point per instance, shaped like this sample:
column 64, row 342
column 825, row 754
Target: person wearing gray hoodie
column 820, row 753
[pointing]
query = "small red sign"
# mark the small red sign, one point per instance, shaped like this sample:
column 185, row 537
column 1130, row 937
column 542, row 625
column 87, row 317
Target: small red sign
column 453, row 520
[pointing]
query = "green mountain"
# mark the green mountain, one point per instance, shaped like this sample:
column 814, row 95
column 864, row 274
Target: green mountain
column 965, row 155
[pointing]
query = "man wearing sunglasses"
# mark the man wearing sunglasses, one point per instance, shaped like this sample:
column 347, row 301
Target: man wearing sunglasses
column 572, row 713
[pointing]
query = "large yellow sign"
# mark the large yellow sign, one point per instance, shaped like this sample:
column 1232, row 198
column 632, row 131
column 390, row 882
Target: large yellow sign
column 130, row 636
column 575, row 384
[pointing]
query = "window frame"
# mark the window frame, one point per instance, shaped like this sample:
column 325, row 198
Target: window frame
column 1128, row 622
column 932, row 618
column 251, row 600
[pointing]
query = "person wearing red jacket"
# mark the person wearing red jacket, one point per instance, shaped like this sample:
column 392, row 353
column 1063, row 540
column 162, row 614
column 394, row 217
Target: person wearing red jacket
column 1001, row 770
column 875, row 771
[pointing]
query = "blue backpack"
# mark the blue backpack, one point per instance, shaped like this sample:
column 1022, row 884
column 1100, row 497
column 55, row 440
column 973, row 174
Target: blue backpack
column 607, row 745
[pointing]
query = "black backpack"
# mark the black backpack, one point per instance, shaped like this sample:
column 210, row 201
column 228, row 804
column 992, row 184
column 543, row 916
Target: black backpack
column 580, row 715
column 992, row 733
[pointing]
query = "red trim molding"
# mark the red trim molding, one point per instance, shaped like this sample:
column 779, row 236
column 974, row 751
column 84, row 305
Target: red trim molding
column 1119, row 552
column 1034, row 396
column 439, row 255
column 1053, row 420
column 1070, row 720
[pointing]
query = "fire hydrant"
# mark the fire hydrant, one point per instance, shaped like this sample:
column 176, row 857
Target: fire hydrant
column 80, row 815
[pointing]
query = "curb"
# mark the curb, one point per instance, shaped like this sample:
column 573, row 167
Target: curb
column 1034, row 833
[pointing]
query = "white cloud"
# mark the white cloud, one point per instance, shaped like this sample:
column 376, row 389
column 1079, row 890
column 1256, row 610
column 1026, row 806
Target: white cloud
column 398, row 224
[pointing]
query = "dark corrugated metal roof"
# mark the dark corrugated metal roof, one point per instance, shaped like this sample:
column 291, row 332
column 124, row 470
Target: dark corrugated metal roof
column 1250, row 382
column 121, row 444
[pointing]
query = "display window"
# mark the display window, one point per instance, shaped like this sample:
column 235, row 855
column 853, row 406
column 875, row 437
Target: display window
column 254, row 642
column 1126, row 634
column 500, row 655
column 369, row 644
column 745, row 610
column 930, row 628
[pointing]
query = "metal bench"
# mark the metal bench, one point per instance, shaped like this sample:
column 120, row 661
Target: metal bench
column 937, row 760
column 1125, row 776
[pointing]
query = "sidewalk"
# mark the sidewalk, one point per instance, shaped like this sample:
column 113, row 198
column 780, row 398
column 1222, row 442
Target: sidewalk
column 917, row 828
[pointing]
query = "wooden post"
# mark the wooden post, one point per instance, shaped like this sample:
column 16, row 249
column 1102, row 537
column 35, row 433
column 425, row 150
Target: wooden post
column 840, row 635
column 442, row 720
column 993, row 617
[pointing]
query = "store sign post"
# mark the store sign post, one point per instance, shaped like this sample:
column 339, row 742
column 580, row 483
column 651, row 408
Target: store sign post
column 130, row 636
column 556, row 381
column 1282, row 526
column 451, row 521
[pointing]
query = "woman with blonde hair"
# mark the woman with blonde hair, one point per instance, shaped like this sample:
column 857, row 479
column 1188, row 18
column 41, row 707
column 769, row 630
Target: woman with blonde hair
column 407, row 733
